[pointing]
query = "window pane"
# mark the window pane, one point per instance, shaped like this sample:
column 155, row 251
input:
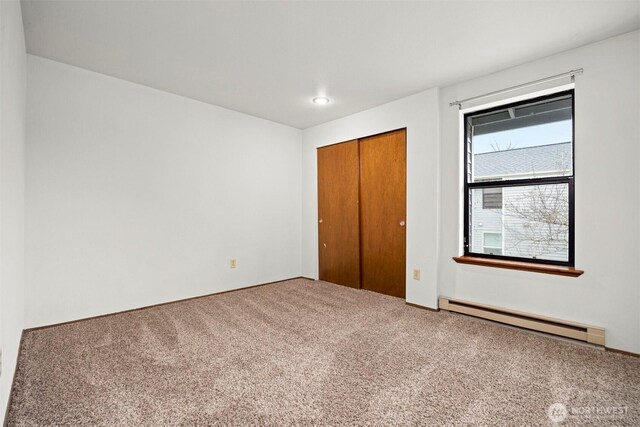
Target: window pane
column 526, row 141
column 492, row 198
column 533, row 222
column 493, row 240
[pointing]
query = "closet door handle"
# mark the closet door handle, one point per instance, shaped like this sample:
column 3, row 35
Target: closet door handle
column 402, row 223
column 320, row 221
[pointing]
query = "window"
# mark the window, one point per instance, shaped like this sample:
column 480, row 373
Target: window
column 492, row 198
column 492, row 243
column 519, row 181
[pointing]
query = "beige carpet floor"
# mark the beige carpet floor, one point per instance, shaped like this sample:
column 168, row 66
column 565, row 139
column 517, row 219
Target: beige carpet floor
column 311, row 353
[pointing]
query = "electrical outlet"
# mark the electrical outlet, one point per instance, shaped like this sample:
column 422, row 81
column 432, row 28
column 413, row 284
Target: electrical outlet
column 416, row 274
column 233, row 263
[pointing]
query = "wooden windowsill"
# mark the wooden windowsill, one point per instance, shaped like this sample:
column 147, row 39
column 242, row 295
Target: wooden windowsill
column 516, row 265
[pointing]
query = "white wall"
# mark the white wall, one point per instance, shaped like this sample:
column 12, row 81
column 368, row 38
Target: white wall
column 137, row 196
column 12, row 140
column 607, row 135
column 419, row 114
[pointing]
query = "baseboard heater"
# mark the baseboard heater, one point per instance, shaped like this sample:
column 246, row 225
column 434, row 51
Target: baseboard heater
column 549, row 325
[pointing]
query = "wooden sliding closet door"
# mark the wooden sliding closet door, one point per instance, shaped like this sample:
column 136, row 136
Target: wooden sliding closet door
column 383, row 202
column 338, row 224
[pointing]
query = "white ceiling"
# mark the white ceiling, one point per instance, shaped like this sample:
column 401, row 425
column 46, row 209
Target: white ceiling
column 268, row 59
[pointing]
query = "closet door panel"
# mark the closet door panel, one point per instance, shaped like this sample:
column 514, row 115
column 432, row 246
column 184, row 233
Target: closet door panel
column 338, row 217
column 383, row 213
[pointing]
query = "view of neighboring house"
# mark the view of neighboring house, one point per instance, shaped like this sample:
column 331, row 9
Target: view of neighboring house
column 524, row 221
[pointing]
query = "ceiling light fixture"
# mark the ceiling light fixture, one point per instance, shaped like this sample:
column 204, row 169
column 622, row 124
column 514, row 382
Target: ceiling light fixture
column 321, row 100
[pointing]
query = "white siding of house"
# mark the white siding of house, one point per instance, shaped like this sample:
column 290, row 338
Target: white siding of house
column 517, row 229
